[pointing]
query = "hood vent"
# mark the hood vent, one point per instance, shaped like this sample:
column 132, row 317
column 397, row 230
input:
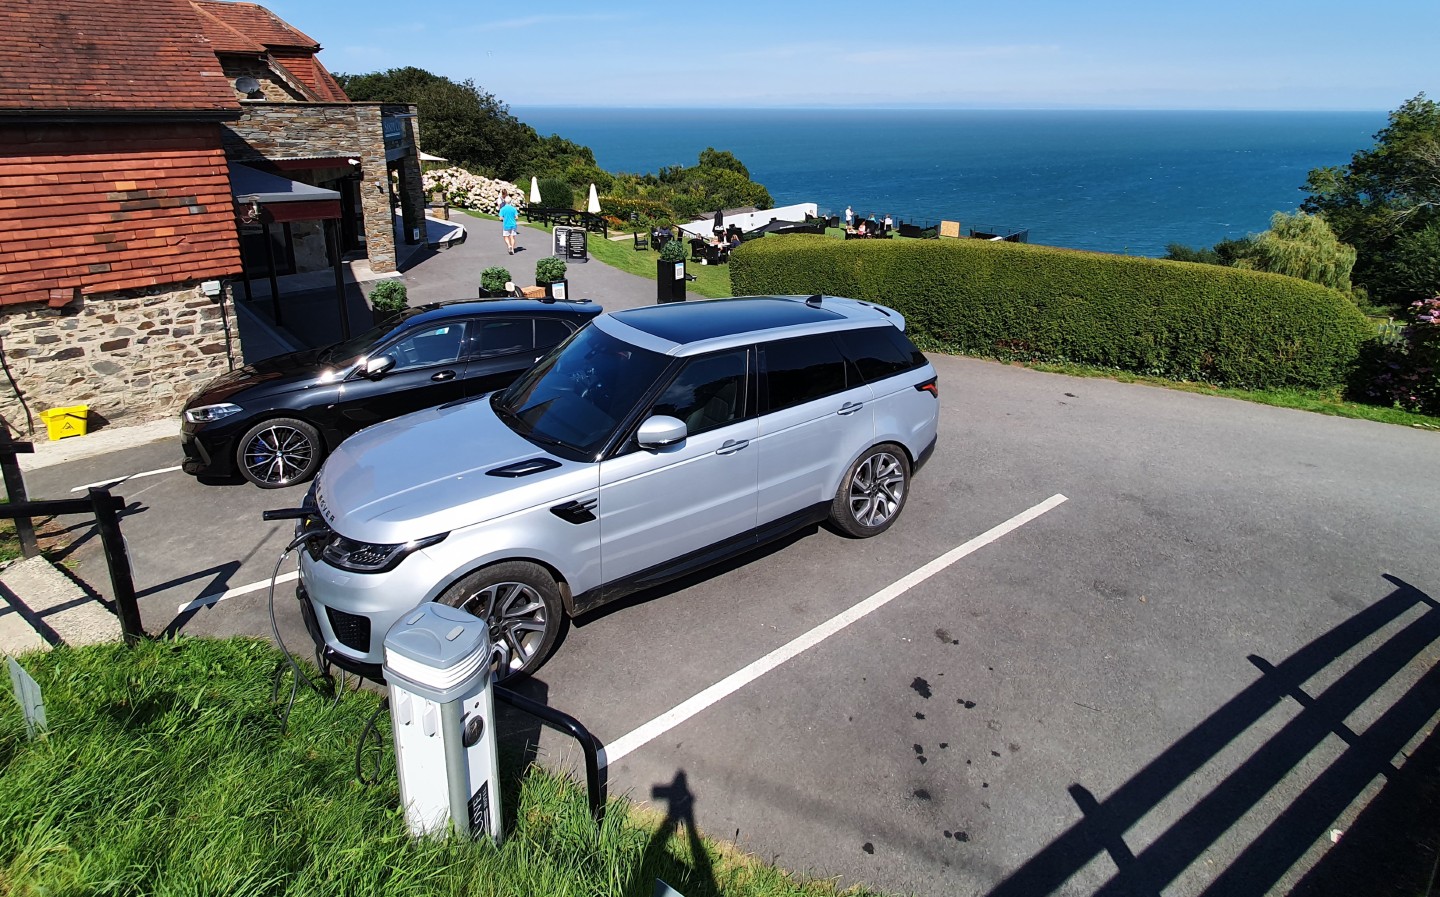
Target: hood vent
column 523, row 468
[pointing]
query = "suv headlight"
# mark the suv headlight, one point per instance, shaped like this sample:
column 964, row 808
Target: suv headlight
column 372, row 557
column 206, row 414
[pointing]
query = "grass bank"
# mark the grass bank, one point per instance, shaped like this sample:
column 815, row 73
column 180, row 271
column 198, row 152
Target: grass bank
column 167, row 772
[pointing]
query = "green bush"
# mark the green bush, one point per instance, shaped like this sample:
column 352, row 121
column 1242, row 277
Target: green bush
column 494, row 278
column 673, row 251
column 556, row 194
column 549, row 270
column 648, row 212
column 1013, row 301
column 388, row 298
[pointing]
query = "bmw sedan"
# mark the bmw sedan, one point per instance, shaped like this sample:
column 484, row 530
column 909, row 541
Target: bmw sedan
column 273, row 422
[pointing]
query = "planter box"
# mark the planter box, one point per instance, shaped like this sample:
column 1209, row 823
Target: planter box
column 669, row 281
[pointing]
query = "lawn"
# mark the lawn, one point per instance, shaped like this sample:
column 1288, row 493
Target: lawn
column 166, row 771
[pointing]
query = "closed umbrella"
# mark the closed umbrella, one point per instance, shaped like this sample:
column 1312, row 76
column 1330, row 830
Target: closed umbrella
column 719, row 220
column 534, row 190
column 594, row 206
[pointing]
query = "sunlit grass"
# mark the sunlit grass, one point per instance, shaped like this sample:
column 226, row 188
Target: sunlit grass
column 166, row 772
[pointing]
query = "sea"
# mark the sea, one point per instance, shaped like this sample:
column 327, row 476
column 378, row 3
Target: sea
column 1113, row 181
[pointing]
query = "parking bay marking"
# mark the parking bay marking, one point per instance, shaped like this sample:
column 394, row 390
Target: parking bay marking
column 216, row 598
column 627, row 744
column 116, row 481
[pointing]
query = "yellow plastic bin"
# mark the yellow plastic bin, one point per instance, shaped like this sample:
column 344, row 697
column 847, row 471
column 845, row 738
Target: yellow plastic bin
column 68, row 421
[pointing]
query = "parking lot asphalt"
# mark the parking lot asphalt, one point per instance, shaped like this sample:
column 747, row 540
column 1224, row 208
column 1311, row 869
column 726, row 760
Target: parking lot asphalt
column 1182, row 677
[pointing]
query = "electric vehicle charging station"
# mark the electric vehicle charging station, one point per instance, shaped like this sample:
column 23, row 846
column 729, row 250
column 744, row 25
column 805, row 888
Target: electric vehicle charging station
column 442, row 712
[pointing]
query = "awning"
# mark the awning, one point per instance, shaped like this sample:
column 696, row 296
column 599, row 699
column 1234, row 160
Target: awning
column 282, row 198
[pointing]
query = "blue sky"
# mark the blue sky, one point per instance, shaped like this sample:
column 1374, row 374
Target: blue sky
column 1221, row 54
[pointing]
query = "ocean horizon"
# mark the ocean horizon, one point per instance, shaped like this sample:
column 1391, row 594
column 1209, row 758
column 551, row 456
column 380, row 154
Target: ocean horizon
column 1126, row 181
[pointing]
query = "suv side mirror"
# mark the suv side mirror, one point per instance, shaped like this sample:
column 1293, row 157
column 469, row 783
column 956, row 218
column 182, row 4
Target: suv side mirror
column 660, row 431
column 376, row 367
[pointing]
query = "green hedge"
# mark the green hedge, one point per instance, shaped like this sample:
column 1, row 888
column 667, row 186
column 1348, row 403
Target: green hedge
column 1013, row 301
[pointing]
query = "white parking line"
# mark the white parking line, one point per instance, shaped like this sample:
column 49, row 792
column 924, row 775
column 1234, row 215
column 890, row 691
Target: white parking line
column 216, row 598
column 115, row 481
column 668, row 720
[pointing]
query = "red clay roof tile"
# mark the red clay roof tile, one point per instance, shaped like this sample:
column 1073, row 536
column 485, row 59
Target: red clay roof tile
column 94, row 56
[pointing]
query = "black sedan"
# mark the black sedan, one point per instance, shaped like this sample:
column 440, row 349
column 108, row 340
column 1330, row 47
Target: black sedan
column 274, row 421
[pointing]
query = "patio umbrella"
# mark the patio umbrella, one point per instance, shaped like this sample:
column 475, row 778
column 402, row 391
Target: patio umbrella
column 719, row 219
column 594, row 206
column 534, row 190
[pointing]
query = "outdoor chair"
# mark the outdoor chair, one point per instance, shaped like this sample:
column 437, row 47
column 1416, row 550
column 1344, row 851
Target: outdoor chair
column 697, row 249
column 641, row 243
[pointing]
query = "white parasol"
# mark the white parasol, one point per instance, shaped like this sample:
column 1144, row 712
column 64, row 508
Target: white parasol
column 594, row 206
column 534, row 190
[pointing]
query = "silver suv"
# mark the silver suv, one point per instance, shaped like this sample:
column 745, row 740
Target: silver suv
column 653, row 442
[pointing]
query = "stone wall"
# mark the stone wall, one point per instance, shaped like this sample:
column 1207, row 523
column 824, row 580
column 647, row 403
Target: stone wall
column 339, row 130
column 132, row 356
column 273, row 88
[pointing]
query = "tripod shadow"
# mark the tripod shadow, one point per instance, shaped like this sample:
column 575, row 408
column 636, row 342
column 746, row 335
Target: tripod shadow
column 662, row 863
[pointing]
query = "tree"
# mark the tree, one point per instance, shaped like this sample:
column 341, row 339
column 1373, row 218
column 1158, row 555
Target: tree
column 1303, row 246
column 1384, row 199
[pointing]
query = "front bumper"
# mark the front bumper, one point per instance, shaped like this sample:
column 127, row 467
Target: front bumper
column 352, row 612
column 208, row 452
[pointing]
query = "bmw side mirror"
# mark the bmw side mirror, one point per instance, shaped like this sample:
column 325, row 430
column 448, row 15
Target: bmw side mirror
column 376, row 367
column 660, row 431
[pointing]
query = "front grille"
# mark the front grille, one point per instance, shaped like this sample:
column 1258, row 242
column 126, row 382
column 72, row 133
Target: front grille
column 352, row 630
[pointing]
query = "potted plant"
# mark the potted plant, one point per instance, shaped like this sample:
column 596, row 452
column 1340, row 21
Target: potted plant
column 670, row 273
column 493, row 280
column 388, row 299
column 550, row 274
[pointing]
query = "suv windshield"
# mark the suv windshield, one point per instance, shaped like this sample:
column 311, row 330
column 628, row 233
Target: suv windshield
column 578, row 394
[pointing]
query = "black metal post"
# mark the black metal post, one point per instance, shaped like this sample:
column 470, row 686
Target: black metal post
column 107, row 520
column 15, row 491
column 270, row 270
column 589, row 744
column 332, row 243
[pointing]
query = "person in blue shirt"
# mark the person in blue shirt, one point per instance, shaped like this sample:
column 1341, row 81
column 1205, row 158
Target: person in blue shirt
column 509, row 225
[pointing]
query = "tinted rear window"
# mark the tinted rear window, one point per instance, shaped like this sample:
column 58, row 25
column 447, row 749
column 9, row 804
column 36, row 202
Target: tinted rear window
column 880, row 352
column 799, row 370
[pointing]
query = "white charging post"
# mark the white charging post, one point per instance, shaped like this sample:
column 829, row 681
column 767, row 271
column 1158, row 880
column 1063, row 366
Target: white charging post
column 442, row 711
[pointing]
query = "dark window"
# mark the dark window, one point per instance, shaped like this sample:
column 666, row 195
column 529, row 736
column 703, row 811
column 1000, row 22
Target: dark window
column 880, row 352
column 436, row 344
column 502, row 336
column 550, row 332
column 800, row 370
column 708, row 392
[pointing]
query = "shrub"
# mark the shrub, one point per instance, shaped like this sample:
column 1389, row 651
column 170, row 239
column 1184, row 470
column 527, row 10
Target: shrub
column 1404, row 372
column 388, row 298
column 549, row 270
column 494, row 278
column 1013, row 301
column 673, row 251
column 556, row 194
column 648, row 212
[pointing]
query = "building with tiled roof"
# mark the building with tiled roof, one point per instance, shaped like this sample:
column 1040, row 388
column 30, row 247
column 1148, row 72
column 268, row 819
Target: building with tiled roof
column 123, row 240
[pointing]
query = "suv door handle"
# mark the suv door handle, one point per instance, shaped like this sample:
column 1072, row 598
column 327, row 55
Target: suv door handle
column 732, row 446
column 851, row 407
column 443, row 376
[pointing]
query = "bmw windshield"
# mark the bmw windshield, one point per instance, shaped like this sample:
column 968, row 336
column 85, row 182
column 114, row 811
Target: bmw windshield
column 576, row 397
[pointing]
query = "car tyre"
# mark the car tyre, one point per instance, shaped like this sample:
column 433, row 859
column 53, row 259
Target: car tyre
column 520, row 602
column 279, row 452
column 873, row 492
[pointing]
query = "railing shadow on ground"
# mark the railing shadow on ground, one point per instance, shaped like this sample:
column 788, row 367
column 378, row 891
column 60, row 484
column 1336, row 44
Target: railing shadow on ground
column 1265, row 860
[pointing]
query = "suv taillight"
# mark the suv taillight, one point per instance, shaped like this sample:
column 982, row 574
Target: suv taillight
column 931, row 386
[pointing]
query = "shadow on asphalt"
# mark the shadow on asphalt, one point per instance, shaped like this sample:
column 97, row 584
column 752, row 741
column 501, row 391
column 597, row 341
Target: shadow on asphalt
column 1308, row 818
